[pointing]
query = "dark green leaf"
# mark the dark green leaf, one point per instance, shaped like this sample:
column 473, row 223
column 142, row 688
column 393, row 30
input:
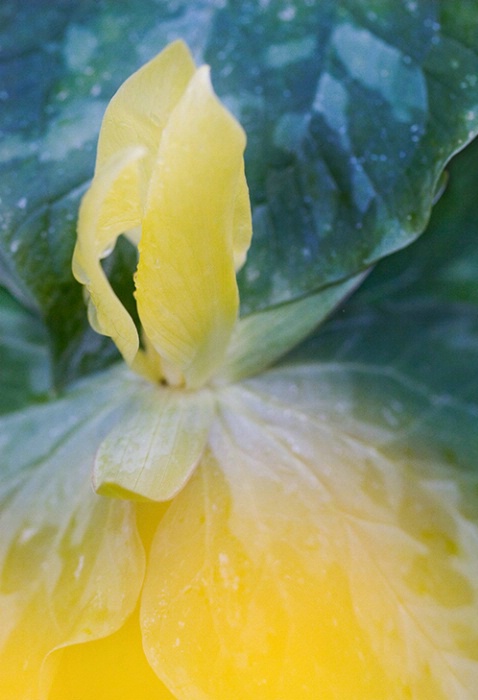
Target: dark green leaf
column 24, row 358
column 443, row 263
column 409, row 368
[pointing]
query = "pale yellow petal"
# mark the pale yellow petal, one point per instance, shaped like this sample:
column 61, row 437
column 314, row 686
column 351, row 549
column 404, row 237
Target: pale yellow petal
column 186, row 286
column 242, row 226
column 71, row 563
column 110, row 207
column 151, row 453
column 302, row 562
column 139, row 111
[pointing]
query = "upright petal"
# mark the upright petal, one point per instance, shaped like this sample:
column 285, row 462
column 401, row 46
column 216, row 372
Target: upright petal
column 242, row 227
column 127, row 150
column 139, row 111
column 186, row 285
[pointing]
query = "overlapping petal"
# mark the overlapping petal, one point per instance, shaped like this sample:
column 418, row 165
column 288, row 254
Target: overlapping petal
column 170, row 176
column 71, row 563
column 111, row 206
column 186, row 285
column 303, row 562
column 154, row 448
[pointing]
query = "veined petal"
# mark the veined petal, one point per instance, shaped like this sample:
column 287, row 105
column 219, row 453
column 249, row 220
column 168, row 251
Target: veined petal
column 71, row 563
column 110, row 207
column 140, row 109
column 153, row 450
column 311, row 564
column 186, row 285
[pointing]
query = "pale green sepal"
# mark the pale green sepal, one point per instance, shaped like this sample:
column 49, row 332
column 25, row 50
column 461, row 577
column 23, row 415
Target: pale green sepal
column 151, row 453
column 260, row 339
column 71, row 563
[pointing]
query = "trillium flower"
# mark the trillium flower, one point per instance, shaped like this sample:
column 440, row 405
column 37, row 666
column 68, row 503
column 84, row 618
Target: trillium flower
column 247, row 538
column 170, row 176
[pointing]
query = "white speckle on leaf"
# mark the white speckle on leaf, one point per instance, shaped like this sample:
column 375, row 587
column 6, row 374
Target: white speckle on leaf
column 281, row 55
column 381, row 67
column 287, row 14
column 80, row 46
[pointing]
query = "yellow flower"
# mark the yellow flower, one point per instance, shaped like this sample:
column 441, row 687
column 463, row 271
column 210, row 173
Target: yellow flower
column 295, row 558
column 170, row 175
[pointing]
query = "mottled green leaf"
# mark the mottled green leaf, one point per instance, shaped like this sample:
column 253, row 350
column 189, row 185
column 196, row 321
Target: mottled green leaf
column 24, row 359
column 443, row 263
column 351, row 108
column 408, row 368
column 260, row 339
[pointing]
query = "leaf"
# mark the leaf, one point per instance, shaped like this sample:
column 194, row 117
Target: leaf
column 260, row 339
column 351, row 111
column 413, row 367
column 71, row 563
column 443, row 264
column 329, row 541
column 24, row 360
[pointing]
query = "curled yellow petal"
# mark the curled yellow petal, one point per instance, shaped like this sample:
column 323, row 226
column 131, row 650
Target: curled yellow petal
column 186, row 285
column 71, row 564
column 110, row 207
column 170, row 176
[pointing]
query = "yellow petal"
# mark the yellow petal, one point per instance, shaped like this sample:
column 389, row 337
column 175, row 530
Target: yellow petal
column 110, row 207
column 71, row 563
column 139, row 111
column 301, row 562
column 242, row 227
column 111, row 668
column 186, row 286
column 153, row 450
column 127, row 149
